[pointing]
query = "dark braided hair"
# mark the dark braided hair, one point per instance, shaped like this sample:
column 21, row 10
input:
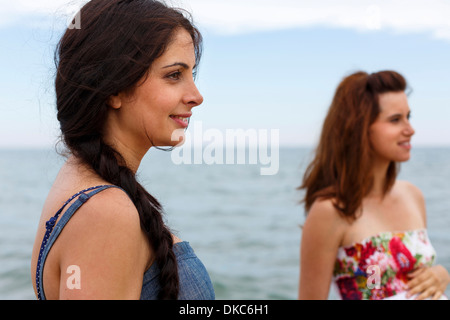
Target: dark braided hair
column 114, row 48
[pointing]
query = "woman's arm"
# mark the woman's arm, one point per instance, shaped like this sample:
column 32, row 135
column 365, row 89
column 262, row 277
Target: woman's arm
column 321, row 237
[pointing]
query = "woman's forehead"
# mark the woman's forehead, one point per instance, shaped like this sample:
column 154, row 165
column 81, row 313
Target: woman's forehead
column 393, row 102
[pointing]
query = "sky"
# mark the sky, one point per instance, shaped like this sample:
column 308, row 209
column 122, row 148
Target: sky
column 267, row 64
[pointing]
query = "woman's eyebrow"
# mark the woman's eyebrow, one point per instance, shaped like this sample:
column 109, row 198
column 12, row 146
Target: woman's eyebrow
column 398, row 114
column 182, row 64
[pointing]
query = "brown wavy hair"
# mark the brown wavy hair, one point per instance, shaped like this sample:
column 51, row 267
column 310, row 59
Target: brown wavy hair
column 341, row 168
column 112, row 51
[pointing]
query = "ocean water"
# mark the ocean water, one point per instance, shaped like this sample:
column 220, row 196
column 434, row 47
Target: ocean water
column 244, row 226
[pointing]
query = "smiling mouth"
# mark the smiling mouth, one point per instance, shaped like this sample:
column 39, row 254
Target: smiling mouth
column 405, row 144
column 181, row 120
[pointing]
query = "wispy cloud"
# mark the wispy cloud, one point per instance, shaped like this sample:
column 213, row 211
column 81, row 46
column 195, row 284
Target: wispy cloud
column 402, row 16
column 244, row 16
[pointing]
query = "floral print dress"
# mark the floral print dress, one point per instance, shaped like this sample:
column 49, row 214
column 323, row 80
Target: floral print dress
column 377, row 267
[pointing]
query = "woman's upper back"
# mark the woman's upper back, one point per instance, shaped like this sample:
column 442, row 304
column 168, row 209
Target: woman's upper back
column 99, row 238
column 103, row 238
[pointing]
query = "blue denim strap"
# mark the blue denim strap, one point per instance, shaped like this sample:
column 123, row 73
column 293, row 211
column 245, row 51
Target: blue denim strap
column 50, row 237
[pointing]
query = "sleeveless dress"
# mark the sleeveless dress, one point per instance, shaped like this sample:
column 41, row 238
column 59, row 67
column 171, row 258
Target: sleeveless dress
column 194, row 280
column 377, row 267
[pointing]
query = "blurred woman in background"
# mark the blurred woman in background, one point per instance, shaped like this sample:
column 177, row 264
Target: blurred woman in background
column 365, row 230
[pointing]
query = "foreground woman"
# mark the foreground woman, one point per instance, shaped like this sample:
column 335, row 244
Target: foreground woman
column 124, row 84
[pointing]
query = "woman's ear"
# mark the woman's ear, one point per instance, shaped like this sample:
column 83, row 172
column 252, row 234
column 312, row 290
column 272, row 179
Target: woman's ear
column 115, row 101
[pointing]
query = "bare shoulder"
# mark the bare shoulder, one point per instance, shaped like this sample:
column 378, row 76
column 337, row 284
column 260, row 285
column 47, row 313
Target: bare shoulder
column 107, row 214
column 413, row 195
column 324, row 220
column 324, row 209
column 408, row 189
column 113, row 202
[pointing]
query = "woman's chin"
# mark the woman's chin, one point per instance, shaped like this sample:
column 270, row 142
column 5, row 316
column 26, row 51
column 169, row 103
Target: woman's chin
column 177, row 138
column 178, row 142
column 403, row 158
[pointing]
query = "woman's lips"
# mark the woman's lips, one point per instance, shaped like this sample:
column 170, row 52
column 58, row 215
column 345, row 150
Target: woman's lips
column 182, row 120
column 405, row 144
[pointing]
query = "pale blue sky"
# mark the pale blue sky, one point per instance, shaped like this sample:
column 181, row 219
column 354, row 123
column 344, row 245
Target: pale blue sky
column 261, row 68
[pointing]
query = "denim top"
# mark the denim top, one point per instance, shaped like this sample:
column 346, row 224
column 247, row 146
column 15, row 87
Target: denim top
column 194, row 280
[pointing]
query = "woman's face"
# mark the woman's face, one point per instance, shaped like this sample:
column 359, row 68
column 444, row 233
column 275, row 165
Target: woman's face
column 161, row 105
column 390, row 134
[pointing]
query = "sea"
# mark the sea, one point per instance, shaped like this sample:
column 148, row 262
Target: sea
column 245, row 226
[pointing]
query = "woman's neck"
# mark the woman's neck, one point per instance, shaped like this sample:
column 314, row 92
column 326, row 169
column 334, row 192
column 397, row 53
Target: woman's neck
column 379, row 172
column 131, row 154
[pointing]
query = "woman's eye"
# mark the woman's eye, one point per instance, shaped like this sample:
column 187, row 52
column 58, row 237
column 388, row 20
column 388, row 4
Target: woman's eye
column 174, row 75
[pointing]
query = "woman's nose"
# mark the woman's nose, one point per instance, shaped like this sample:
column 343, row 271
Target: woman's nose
column 193, row 98
column 409, row 130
